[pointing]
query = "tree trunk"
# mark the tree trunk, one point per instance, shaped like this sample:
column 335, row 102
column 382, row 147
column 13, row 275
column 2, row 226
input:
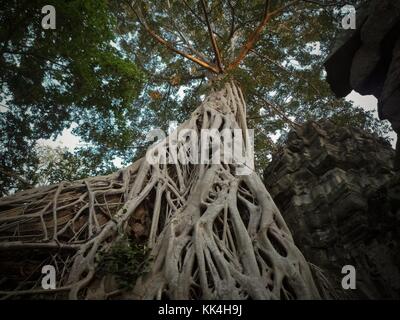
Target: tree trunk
column 213, row 234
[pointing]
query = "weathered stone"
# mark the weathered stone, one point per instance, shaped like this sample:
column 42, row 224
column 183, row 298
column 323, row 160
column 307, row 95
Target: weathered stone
column 341, row 199
column 390, row 100
column 367, row 59
column 338, row 64
column 369, row 65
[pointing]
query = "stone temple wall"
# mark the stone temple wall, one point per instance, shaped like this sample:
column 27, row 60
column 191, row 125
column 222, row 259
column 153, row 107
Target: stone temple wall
column 367, row 60
column 338, row 193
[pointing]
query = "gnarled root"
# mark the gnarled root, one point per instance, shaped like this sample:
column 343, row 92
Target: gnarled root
column 213, row 234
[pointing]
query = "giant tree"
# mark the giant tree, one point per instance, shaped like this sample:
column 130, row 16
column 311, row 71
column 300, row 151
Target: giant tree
column 211, row 233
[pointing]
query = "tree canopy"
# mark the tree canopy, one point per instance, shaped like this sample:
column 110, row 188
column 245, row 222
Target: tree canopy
column 50, row 79
column 90, row 71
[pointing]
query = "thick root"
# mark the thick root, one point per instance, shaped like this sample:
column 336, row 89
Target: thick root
column 212, row 233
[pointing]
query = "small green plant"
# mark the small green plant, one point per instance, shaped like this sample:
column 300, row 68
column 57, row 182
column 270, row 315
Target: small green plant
column 126, row 260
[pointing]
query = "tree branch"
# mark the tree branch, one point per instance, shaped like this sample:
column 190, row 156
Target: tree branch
column 199, row 18
column 169, row 46
column 14, row 175
column 38, row 245
column 329, row 4
column 232, row 28
column 286, row 70
column 278, row 112
column 213, row 40
column 255, row 35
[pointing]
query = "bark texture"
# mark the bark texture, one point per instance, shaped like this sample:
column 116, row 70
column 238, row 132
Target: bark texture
column 212, row 234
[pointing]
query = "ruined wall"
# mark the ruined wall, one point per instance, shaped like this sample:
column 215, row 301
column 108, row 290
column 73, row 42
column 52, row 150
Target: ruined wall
column 336, row 190
column 367, row 60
